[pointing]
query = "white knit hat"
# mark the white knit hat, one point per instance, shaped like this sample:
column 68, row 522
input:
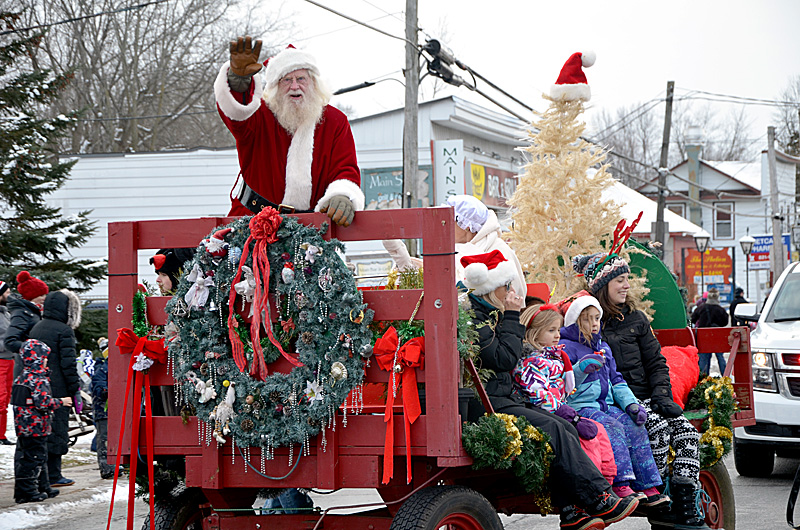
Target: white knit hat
column 483, row 273
column 287, row 61
column 577, row 306
column 471, row 213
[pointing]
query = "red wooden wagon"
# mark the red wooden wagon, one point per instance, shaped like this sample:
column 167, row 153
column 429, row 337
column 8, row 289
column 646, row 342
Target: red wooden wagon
column 445, row 491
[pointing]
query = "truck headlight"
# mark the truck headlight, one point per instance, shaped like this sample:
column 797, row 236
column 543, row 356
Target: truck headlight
column 763, row 372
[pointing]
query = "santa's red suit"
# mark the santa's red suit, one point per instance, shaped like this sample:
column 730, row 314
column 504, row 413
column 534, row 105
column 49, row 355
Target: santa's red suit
column 279, row 166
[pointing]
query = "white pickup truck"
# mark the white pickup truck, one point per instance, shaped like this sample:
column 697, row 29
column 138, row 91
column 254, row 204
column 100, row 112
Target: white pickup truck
column 775, row 344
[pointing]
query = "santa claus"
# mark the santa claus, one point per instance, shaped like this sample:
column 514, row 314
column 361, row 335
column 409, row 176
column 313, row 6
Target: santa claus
column 296, row 152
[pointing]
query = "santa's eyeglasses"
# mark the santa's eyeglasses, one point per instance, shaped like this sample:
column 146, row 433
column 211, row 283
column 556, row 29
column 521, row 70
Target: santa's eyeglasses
column 289, row 81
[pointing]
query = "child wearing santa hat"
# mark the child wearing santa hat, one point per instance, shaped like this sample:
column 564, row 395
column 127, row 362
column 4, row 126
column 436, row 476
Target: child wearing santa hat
column 576, row 485
column 545, row 377
column 602, row 394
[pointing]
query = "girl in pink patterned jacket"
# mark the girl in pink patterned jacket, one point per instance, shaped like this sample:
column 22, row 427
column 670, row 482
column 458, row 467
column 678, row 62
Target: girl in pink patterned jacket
column 544, row 377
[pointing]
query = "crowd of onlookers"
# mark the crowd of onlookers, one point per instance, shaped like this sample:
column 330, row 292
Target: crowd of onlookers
column 40, row 379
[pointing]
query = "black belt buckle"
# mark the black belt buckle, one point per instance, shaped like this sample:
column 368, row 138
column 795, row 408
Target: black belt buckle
column 285, row 208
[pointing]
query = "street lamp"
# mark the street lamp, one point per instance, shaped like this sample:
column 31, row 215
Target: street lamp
column 701, row 240
column 747, row 243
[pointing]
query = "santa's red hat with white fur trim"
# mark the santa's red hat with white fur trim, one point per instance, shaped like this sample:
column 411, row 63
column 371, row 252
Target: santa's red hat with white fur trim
column 288, row 61
column 483, row 273
column 573, row 306
column 571, row 84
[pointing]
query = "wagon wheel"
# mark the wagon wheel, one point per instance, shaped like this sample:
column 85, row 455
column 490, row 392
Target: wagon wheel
column 721, row 510
column 450, row 507
column 181, row 512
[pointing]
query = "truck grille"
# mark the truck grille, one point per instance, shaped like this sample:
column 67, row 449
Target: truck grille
column 794, row 385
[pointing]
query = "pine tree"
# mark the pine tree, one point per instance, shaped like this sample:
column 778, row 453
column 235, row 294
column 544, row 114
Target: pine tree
column 559, row 209
column 34, row 236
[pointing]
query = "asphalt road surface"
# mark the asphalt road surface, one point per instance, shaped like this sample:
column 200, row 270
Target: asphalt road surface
column 760, row 503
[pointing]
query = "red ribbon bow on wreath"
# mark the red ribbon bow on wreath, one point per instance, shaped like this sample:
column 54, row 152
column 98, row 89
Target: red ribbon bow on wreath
column 408, row 357
column 130, row 343
column 263, row 230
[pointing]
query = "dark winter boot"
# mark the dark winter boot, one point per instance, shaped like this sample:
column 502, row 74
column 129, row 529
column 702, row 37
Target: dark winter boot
column 27, row 490
column 683, row 513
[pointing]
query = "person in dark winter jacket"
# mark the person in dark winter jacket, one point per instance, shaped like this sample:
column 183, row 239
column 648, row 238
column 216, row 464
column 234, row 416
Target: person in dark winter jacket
column 711, row 315
column 61, row 315
column 638, row 356
column 576, row 485
column 33, row 407
column 6, row 364
column 738, row 298
column 26, row 311
column 99, row 390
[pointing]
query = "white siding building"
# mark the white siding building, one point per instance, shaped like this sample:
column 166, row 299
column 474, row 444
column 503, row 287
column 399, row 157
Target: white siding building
column 742, row 188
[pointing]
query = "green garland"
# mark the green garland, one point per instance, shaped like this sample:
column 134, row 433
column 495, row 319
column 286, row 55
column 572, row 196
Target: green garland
column 322, row 321
column 504, row 441
column 713, row 400
column 140, row 325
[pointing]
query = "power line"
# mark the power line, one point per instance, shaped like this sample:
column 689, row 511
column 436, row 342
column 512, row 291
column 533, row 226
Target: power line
column 757, row 101
column 653, row 102
column 84, row 17
column 351, row 19
column 338, row 29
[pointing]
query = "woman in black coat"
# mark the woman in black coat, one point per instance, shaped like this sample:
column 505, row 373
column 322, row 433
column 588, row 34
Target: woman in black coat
column 638, row 356
column 25, row 309
column 61, row 315
column 576, row 486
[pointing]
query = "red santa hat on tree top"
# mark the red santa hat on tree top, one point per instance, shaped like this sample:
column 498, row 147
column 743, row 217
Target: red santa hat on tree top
column 287, row 61
column 483, row 273
column 571, row 84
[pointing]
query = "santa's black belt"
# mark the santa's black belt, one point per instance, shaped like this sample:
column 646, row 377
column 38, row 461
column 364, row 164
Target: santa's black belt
column 255, row 202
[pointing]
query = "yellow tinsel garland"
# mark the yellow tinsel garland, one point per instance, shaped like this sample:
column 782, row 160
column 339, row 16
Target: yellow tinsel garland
column 514, row 447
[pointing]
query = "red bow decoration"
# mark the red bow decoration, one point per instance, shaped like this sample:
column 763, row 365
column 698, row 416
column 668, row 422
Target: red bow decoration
column 263, row 230
column 543, row 307
column 410, row 356
column 130, row 343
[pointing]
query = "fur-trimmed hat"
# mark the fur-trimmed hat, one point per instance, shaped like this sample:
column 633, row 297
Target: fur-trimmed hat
column 287, row 61
column 30, row 287
column 483, row 273
column 571, row 84
column 599, row 269
column 471, row 214
column 573, row 306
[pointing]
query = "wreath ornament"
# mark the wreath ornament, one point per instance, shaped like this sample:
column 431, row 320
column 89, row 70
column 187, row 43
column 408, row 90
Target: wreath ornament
column 228, row 357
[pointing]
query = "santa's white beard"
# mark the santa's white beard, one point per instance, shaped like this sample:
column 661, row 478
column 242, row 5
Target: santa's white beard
column 293, row 114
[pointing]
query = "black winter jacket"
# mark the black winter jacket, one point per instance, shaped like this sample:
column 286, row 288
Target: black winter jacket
column 53, row 330
column 24, row 315
column 501, row 349
column 638, row 354
column 711, row 315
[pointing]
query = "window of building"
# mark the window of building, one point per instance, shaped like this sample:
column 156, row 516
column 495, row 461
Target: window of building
column 678, row 208
column 723, row 220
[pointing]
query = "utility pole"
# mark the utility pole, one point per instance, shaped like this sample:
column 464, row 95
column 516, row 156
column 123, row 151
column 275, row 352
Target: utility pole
column 411, row 115
column 661, row 229
column 777, row 256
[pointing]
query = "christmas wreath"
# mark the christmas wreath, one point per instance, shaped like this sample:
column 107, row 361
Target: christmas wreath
column 221, row 362
column 713, row 402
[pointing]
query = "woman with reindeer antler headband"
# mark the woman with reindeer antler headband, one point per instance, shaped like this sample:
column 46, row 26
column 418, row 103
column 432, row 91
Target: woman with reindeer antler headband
column 640, row 361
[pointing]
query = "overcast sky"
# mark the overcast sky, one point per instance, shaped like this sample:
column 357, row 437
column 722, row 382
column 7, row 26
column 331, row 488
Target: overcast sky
column 732, row 47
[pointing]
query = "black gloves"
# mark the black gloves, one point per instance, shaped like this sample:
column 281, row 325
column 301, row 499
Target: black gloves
column 665, row 407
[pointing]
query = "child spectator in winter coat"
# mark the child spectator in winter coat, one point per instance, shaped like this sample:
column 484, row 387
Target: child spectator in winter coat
column 33, row 406
column 99, row 390
column 60, row 317
column 545, row 378
column 576, row 486
column 603, row 395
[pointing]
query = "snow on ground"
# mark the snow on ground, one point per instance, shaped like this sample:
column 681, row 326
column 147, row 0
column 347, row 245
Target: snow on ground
column 37, row 514
column 78, row 454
